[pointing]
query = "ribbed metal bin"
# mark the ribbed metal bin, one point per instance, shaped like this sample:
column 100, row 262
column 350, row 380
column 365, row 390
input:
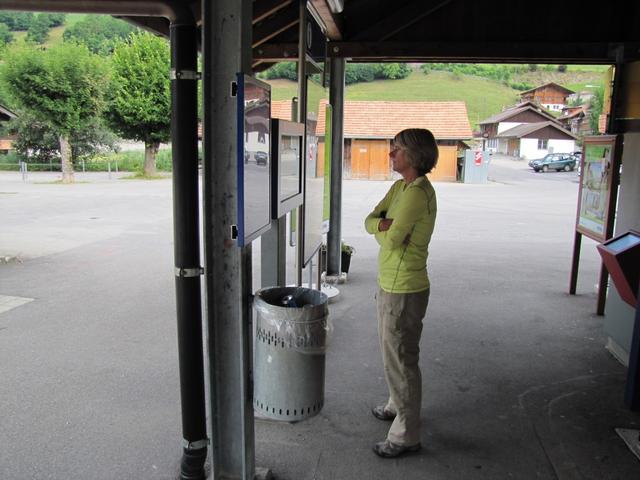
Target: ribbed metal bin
column 289, row 360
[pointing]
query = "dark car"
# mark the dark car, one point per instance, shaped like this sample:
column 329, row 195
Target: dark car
column 261, row 158
column 554, row 161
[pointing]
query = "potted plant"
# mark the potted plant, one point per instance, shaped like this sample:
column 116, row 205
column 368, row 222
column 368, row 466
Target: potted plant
column 345, row 253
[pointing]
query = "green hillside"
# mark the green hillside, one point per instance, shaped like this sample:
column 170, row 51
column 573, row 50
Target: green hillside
column 483, row 97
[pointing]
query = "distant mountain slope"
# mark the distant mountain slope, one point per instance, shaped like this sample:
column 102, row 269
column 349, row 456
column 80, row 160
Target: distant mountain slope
column 483, row 97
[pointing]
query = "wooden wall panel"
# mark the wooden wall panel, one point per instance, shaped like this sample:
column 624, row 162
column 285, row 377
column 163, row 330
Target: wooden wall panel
column 446, row 168
column 379, row 164
column 360, row 159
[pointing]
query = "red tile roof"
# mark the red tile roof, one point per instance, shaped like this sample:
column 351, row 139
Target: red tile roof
column 281, row 109
column 446, row 120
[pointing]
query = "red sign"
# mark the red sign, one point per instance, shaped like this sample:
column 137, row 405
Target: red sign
column 478, row 158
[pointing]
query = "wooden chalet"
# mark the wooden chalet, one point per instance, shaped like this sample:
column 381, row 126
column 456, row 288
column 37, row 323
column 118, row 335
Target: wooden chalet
column 534, row 140
column 576, row 120
column 522, row 113
column 550, row 95
column 6, row 141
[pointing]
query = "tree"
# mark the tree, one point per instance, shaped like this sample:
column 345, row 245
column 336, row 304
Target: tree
column 62, row 87
column 5, row 34
column 16, row 20
column 139, row 105
column 37, row 142
column 596, row 105
column 99, row 33
column 39, row 29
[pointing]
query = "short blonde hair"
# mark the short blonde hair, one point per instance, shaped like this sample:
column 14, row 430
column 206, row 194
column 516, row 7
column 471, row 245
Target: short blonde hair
column 421, row 148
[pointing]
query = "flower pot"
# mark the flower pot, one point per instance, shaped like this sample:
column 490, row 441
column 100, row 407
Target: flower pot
column 345, row 262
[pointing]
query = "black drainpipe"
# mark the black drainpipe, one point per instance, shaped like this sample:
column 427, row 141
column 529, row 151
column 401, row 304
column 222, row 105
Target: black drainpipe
column 184, row 139
column 184, row 129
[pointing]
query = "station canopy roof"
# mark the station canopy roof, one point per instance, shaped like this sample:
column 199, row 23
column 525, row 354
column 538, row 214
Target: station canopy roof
column 500, row 31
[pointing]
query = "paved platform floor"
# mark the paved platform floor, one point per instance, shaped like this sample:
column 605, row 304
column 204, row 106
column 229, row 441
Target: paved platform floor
column 516, row 380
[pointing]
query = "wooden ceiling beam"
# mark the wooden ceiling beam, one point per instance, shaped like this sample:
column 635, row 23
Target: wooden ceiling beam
column 484, row 52
column 332, row 23
column 263, row 9
column 399, row 20
column 275, row 25
column 276, row 52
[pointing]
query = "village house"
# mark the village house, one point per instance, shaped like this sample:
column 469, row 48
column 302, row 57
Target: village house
column 550, row 95
column 576, row 120
column 6, row 141
column 526, row 130
column 369, row 128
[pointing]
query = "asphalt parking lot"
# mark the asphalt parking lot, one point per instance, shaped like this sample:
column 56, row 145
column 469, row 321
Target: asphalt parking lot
column 517, row 383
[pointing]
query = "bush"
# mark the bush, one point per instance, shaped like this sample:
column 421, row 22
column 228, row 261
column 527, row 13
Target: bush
column 129, row 161
column 354, row 72
column 287, row 70
column 37, row 142
column 5, row 34
column 39, row 29
column 17, row 21
column 9, row 161
column 99, row 33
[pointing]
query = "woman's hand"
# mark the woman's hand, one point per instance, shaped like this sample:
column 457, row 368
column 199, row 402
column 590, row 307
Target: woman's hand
column 384, row 224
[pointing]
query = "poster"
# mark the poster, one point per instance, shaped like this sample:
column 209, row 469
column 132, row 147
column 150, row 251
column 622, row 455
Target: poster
column 595, row 187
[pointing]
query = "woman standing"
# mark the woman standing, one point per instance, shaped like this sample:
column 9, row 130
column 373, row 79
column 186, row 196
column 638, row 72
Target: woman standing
column 402, row 224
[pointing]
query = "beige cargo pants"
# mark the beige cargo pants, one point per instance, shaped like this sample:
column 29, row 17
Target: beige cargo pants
column 399, row 327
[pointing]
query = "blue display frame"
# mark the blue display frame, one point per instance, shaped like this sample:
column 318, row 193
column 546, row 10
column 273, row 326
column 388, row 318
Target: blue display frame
column 247, row 233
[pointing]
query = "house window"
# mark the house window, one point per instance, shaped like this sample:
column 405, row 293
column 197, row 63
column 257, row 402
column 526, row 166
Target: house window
column 543, row 144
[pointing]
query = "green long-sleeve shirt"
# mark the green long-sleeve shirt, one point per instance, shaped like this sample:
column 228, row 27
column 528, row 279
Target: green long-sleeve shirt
column 402, row 268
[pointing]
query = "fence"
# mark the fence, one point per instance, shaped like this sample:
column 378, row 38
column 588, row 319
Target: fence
column 25, row 168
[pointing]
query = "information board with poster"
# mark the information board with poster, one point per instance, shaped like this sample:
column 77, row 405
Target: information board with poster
column 595, row 186
column 597, row 194
column 254, row 156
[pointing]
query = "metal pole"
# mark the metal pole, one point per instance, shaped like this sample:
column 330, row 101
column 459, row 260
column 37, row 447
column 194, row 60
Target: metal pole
column 575, row 263
column 302, row 117
column 227, row 51
column 273, row 259
column 109, row 169
column 336, row 99
column 186, row 234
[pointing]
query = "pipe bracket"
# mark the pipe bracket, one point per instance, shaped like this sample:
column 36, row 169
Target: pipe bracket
column 197, row 445
column 189, row 272
column 184, row 75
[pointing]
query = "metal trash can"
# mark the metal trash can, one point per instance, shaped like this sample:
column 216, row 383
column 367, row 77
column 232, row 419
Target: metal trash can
column 290, row 345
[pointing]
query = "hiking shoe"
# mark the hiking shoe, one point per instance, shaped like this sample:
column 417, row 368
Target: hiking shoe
column 381, row 413
column 389, row 449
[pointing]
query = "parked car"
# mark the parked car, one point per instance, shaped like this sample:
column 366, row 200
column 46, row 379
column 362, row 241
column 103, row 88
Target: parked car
column 261, row 158
column 554, row 161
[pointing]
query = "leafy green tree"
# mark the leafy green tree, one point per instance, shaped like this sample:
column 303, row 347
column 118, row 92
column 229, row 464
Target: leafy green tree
column 54, row 19
column 39, row 29
column 16, row 21
column 596, row 104
column 5, row 34
column 62, row 87
column 99, row 33
column 139, row 106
